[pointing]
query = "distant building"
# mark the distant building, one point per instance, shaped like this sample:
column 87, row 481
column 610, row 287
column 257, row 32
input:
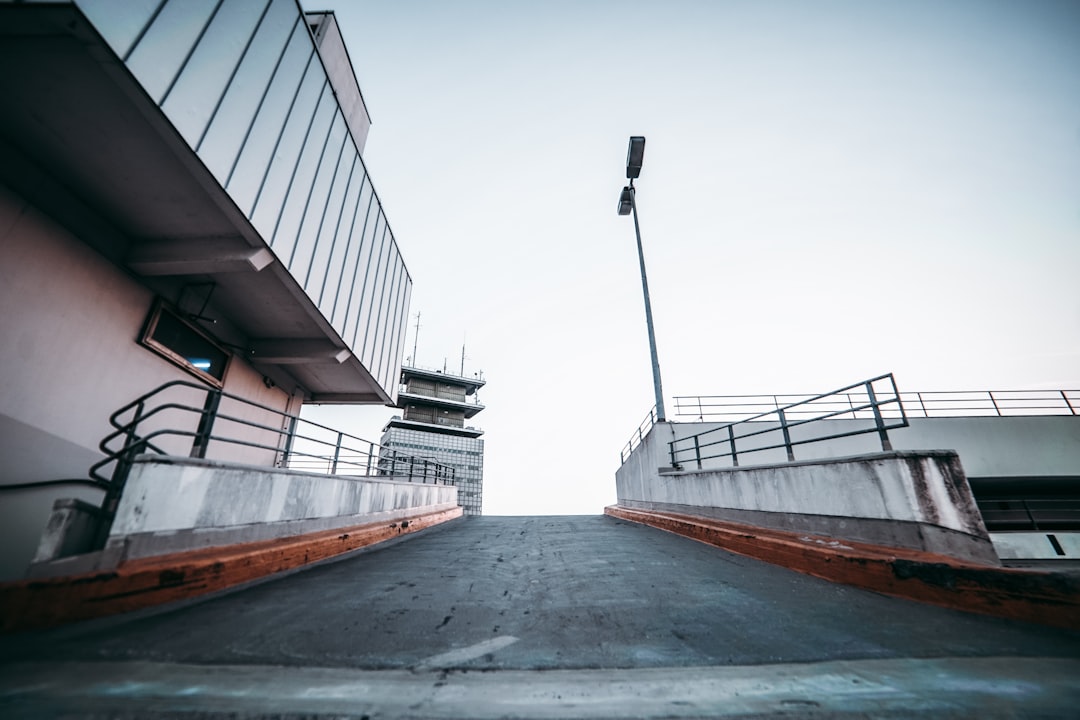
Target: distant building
column 435, row 407
column 182, row 197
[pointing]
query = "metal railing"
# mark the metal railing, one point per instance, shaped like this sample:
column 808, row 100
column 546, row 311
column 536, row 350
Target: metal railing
column 881, row 404
column 643, row 429
column 158, row 419
column 1026, row 514
column 948, row 403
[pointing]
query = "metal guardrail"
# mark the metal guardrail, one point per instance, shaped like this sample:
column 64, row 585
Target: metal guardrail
column 880, row 404
column 147, row 423
column 642, row 430
column 1027, row 514
column 947, row 403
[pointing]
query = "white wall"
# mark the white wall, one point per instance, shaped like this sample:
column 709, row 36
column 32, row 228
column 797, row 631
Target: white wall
column 70, row 322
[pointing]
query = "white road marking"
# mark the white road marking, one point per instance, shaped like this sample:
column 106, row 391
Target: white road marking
column 462, row 655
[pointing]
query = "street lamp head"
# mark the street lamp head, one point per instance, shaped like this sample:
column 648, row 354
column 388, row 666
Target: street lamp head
column 626, row 200
column 634, row 155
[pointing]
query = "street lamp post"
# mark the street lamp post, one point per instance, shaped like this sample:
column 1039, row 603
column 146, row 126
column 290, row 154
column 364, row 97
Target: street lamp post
column 628, row 205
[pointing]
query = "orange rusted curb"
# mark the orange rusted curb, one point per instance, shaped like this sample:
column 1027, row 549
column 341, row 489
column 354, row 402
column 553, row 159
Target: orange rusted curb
column 145, row 582
column 1043, row 597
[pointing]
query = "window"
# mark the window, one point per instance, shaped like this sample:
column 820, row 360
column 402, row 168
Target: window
column 180, row 342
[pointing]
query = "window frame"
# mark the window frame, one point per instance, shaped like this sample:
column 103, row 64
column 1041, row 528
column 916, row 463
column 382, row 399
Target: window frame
column 147, row 340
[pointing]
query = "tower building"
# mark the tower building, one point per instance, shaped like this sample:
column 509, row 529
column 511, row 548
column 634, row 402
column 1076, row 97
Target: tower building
column 435, row 406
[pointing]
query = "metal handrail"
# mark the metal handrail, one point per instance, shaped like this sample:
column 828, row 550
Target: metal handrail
column 927, row 404
column 331, row 457
column 636, row 439
column 728, row 435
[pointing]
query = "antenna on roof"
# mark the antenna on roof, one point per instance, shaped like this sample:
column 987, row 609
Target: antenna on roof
column 463, row 356
column 416, row 339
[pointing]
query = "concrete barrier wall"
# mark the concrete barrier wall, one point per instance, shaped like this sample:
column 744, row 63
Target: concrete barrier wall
column 174, row 504
column 918, row 500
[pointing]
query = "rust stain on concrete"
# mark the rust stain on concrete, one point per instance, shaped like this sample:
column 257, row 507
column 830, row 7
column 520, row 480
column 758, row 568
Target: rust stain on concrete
column 145, row 582
column 1047, row 598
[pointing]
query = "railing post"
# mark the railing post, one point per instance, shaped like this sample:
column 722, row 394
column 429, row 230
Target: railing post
column 206, row 424
column 1031, row 518
column 337, row 454
column 787, row 435
column 922, row 405
column 1067, row 403
column 731, row 441
column 994, row 402
column 886, row 446
column 290, row 435
column 697, row 452
column 370, row 453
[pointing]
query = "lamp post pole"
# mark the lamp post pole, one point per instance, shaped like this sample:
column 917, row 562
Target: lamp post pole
column 628, row 205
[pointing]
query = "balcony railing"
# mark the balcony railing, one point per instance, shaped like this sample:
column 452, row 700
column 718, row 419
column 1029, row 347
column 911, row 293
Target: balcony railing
column 950, row 403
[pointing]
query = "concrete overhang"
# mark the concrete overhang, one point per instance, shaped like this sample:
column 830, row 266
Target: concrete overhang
column 471, row 385
column 470, row 409
column 81, row 140
column 433, row 428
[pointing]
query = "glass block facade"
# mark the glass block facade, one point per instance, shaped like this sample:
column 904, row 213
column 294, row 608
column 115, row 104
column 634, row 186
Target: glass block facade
column 464, row 454
column 244, row 84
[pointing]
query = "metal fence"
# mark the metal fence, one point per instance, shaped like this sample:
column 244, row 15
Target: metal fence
column 182, row 418
column 876, row 399
column 643, row 429
column 948, row 403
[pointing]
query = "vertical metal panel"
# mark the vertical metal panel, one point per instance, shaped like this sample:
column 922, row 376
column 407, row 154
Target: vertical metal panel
column 390, row 330
column 292, row 209
column 257, row 152
column 330, row 214
column 286, row 152
column 231, row 121
column 384, row 320
column 316, row 194
column 191, row 51
column 378, row 280
column 121, row 22
column 344, row 294
column 399, row 338
column 363, row 301
column 369, row 239
column 200, row 87
column 157, row 58
column 340, row 236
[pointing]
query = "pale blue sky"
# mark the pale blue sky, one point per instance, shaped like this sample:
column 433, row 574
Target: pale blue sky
column 831, row 190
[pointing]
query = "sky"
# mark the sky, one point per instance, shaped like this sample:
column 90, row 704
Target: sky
column 831, row 191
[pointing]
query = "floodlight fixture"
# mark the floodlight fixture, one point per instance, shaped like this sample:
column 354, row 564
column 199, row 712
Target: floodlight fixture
column 634, row 155
column 628, row 206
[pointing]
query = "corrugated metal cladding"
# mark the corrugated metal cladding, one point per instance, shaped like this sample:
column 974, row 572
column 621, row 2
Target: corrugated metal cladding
column 243, row 84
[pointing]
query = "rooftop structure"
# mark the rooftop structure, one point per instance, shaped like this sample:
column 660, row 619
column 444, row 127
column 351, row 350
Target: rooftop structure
column 436, row 406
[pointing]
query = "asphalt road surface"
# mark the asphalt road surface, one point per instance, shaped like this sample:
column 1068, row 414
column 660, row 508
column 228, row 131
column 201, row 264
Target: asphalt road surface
column 545, row 617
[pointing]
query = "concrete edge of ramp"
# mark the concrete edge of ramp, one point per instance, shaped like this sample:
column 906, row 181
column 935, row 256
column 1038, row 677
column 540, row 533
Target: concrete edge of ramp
column 937, row 687
column 145, row 582
column 1049, row 598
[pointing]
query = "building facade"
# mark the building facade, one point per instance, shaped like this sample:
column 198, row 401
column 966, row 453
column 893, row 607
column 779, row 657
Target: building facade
column 435, row 407
column 182, row 197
